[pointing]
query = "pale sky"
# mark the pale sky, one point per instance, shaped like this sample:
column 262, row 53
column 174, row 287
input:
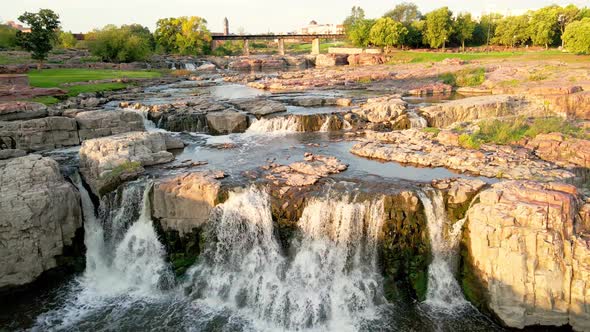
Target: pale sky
column 253, row 15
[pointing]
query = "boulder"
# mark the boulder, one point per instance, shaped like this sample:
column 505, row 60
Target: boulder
column 330, row 60
column 107, row 162
column 431, row 89
column 41, row 134
column 524, row 260
column 259, row 107
column 227, row 122
column 365, row 59
column 561, row 150
column 475, row 108
column 575, row 105
column 22, row 110
column 183, row 202
column 11, row 153
column 39, row 215
column 382, row 109
column 94, row 124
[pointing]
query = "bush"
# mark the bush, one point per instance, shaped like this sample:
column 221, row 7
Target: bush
column 124, row 44
column 466, row 77
column 66, row 40
column 577, row 36
column 7, row 36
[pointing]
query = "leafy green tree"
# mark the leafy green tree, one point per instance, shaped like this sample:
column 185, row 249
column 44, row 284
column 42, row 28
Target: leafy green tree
column 66, row 40
column 565, row 16
column 183, row 35
column 577, row 36
column 464, row 26
column 405, row 12
column 359, row 33
column 7, row 36
column 357, row 14
column 414, row 37
column 485, row 29
column 512, row 31
column 40, row 40
column 543, row 26
column 124, row 44
column 387, row 33
column 438, row 27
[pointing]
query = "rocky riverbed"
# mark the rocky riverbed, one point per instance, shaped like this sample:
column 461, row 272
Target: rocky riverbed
column 334, row 198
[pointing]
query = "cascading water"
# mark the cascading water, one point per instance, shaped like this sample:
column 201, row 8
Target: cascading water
column 444, row 292
column 118, row 273
column 416, row 121
column 276, row 125
column 147, row 123
column 330, row 281
column 190, row 66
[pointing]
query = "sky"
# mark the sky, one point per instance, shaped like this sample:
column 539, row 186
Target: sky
column 254, row 16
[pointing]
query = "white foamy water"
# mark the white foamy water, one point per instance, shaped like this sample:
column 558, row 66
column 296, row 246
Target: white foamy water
column 190, row 66
column 276, row 125
column 330, row 282
column 120, row 274
column 416, row 121
column 147, row 123
column 444, row 292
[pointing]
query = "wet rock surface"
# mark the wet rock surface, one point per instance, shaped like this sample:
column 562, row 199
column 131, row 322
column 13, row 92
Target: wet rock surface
column 39, row 216
column 94, row 124
column 41, row 134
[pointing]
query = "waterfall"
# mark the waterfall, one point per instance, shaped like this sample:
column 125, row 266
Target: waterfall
column 330, row 278
column 416, row 121
column 144, row 112
column 276, row 125
column 135, row 264
column 444, row 292
column 190, row 66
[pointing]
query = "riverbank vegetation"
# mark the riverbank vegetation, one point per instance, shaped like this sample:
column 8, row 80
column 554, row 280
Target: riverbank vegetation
column 407, row 27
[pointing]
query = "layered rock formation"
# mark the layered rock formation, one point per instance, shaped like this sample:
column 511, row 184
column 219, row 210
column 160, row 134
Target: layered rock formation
column 475, row 108
column 561, row 150
column 39, row 216
column 94, row 124
column 527, row 255
column 22, row 110
column 419, row 148
column 106, row 162
column 41, row 134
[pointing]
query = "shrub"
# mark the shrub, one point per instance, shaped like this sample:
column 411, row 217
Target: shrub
column 466, row 77
column 124, row 44
column 7, row 36
column 66, row 40
column 577, row 36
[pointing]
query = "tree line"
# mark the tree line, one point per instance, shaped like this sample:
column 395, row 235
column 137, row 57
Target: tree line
column 406, row 27
column 187, row 35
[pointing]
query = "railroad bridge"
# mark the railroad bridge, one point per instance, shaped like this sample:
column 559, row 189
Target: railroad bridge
column 314, row 38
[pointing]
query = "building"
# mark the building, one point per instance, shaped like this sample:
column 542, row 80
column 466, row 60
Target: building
column 17, row 26
column 313, row 28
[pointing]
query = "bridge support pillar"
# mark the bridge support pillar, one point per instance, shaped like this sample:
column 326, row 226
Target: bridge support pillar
column 315, row 46
column 246, row 47
column 281, row 46
column 214, row 45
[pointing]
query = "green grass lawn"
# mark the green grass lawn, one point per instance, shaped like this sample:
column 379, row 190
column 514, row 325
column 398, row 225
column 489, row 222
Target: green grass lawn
column 56, row 78
column 50, row 78
column 417, row 57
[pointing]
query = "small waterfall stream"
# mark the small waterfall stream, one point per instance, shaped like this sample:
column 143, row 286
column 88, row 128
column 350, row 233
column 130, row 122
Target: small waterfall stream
column 275, row 125
column 444, row 292
column 330, row 278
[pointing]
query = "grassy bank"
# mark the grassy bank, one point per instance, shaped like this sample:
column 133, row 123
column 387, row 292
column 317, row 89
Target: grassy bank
column 510, row 131
column 419, row 57
column 57, row 78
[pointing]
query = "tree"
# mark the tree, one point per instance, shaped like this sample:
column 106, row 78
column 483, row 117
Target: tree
column 543, row 26
column 577, row 36
column 7, row 36
column 183, row 35
column 66, row 40
column 438, row 27
column 357, row 14
column 124, row 44
column 464, row 27
column 565, row 16
column 405, row 12
column 414, row 37
column 485, row 30
column 359, row 33
column 512, row 31
column 387, row 33
column 40, row 40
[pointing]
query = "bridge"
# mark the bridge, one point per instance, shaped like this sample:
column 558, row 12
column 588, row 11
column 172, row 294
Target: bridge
column 315, row 40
